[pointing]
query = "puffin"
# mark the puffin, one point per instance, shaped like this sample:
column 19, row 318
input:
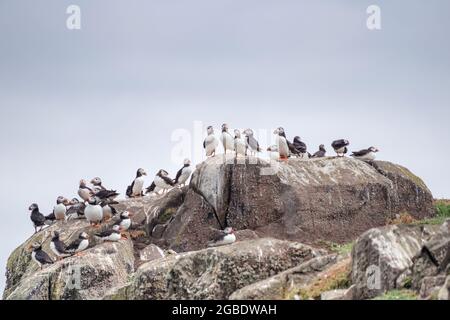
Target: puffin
column 125, row 221
column 38, row 219
column 183, row 174
column 340, row 147
column 227, row 139
column 251, row 142
column 136, row 187
column 40, row 256
column 210, row 144
column 78, row 245
column 274, row 155
column 108, row 210
column 110, row 234
column 59, row 211
column 282, row 143
column 239, row 144
column 223, row 238
column 161, row 182
column 365, row 154
column 321, row 153
column 84, row 191
column 94, row 212
column 75, row 210
column 100, row 191
column 58, row 247
column 300, row 148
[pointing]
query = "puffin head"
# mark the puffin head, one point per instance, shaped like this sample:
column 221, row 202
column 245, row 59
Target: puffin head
column 34, row 246
column 228, row 230
column 61, row 199
column 210, row 130
column 82, row 183
column 273, row 148
column 297, row 138
column 237, row 133
column 224, row 127
column 83, row 235
column 322, row 147
column 96, row 181
column 93, row 201
column 248, row 132
column 373, row 149
column 141, row 172
column 74, row 201
column 163, row 173
column 34, row 206
column 116, row 228
column 125, row 215
column 55, row 235
column 187, row 162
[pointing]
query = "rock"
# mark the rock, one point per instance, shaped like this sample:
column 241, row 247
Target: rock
column 215, row 273
column 151, row 252
column 243, row 235
column 432, row 263
column 381, row 255
column 281, row 285
column 90, row 276
column 306, row 201
column 338, row 294
column 444, row 292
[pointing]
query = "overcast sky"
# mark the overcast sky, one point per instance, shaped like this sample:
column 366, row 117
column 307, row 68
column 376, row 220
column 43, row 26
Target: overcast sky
column 106, row 99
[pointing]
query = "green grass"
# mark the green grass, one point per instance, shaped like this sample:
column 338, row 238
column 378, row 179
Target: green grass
column 341, row 249
column 442, row 213
column 398, row 295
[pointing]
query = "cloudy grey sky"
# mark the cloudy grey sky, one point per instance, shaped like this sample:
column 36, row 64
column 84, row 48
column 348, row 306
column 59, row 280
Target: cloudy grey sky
column 105, row 100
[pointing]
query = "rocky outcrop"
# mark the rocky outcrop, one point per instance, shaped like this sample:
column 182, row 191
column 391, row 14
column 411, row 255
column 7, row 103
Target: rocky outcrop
column 217, row 272
column 272, row 210
column 431, row 266
column 380, row 257
column 282, row 285
column 333, row 199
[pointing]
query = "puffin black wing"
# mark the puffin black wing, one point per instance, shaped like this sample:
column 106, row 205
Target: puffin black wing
column 339, row 144
column 129, row 192
column 50, row 217
column 105, row 194
column 151, row 188
column 300, row 146
column 43, row 257
column 360, row 152
column 168, row 180
column 74, row 245
column 178, row 175
column 104, row 234
column 59, row 245
column 218, row 236
column 37, row 218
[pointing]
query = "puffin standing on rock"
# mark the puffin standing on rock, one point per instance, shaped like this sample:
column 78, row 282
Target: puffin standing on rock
column 84, row 191
column 38, row 219
column 94, row 212
column 252, row 143
column 321, row 153
column 40, row 256
column 282, row 143
column 300, row 148
column 137, row 186
column 223, row 238
column 100, row 191
column 227, row 139
column 59, row 211
column 210, row 144
column 239, row 144
column 58, row 247
column 183, row 174
column 161, row 182
column 79, row 245
column 111, row 235
column 75, row 210
column 365, row 154
column 340, row 147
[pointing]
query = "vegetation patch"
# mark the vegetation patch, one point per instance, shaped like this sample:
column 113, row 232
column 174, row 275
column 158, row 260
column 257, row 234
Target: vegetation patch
column 442, row 207
column 336, row 277
column 398, row 295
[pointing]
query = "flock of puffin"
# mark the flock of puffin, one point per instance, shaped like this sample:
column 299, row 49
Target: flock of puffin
column 97, row 202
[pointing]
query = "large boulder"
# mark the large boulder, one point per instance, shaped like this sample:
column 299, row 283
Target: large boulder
column 334, row 199
column 89, row 276
column 431, row 266
column 382, row 255
column 215, row 273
